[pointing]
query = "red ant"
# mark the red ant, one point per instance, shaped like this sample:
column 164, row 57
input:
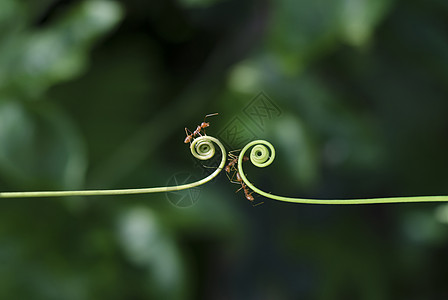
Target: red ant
column 243, row 187
column 233, row 160
column 246, row 190
column 197, row 132
column 231, row 166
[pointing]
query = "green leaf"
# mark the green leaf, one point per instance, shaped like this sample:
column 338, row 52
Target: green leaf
column 358, row 19
column 296, row 145
column 149, row 246
column 39, row 146
column 303, row 31
column 33, row 60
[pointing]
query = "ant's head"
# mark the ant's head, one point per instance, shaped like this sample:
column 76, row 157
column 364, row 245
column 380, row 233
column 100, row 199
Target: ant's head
column 250, row 197
column 187, row 139
column 227, row 168
column 205, row 124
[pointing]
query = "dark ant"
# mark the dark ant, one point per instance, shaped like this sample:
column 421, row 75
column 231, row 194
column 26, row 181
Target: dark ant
column 198, row 130
column 231, row 166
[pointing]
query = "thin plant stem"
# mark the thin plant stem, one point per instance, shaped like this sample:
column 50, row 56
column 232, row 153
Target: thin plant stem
column 262, row 155
column 202, row 148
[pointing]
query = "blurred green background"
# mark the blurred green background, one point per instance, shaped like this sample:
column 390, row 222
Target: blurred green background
column 96, row 94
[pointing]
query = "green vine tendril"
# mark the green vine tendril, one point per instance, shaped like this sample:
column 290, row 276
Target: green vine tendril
column 263, row 154
column 202, row 148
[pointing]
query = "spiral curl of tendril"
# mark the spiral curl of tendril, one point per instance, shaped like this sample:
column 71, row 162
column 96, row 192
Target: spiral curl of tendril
column 201, row 148
column 263, row 154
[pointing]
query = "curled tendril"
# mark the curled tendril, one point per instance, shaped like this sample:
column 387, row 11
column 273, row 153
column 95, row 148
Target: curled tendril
column 260, row 155
column 201, row 148
column 263, row 154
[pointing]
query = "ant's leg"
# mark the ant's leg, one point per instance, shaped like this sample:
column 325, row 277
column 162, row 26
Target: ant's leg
column 209, row 115
column 237, row 150
column 197, row 131
column 203, row 128
column 252, row 202
column 234, row 168
column 187, row 131
column 231, row 179
column 231, row 156
column 239, row 189
column 189, row 135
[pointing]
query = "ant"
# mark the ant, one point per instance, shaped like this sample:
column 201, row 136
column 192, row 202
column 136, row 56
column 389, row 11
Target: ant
column 246, row 190
column 198, row 130
column 231, row 166
column 233, row 161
